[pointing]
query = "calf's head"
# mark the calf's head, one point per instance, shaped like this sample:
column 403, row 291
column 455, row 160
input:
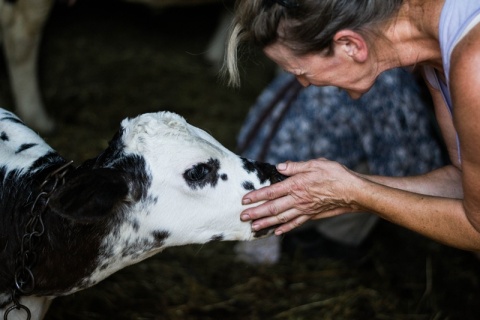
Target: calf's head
column 160, row 183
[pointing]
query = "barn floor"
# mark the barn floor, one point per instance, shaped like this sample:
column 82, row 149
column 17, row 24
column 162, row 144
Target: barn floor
column 102, row 61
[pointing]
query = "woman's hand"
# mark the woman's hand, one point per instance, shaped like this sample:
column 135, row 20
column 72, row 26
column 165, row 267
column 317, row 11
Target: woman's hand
column 315, row 189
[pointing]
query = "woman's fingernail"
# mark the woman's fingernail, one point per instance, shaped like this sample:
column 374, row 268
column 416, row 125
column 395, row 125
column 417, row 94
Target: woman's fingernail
column 245, row 217
column 281, row 166
column 246, row 201
column 278, row 232
column 255, row 227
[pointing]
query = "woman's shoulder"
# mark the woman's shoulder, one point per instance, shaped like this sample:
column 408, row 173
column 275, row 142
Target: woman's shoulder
column 465, row 59
column 467, row 51
column 458, row 19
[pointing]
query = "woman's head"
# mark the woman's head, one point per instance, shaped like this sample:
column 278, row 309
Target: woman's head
column 304, row 26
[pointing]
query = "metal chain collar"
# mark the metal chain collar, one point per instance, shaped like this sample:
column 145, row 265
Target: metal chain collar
column 34, row 229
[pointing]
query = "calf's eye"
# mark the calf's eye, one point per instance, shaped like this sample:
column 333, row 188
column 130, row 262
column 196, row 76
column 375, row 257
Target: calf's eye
column 197, row 172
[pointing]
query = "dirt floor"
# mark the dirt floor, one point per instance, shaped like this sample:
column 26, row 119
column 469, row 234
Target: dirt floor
column 102, row 61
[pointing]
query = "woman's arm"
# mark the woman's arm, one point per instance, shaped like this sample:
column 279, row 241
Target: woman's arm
column 440, row 218
column 444, row 182
column 321, row 188
column 465, row 91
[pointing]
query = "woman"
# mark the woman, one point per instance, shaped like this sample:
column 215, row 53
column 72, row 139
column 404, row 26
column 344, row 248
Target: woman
column 348, row 44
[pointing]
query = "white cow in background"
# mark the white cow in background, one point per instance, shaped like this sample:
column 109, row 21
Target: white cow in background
column 21, row 27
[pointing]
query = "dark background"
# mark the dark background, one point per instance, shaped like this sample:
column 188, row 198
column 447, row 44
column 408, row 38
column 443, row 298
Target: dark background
column 102, row 61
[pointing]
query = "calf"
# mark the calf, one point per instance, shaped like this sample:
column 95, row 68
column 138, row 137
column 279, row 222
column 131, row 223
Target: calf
column 160, row 183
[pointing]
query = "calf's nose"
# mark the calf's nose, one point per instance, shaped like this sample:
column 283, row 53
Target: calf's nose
column 269, row 172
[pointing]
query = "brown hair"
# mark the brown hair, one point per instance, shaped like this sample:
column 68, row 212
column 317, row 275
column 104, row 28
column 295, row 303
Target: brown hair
column 305, row 26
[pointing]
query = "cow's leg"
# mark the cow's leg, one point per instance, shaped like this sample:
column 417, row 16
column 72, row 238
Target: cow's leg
column 22, row 24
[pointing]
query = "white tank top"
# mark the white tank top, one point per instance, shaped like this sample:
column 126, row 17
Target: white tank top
column 458, row 17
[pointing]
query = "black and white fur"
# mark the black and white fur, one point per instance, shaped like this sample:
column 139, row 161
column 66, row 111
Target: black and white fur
column 160, row 183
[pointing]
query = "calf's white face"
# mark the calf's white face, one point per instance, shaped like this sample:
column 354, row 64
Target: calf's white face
column 196, row 183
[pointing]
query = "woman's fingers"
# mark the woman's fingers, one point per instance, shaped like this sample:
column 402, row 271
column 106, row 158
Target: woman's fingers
column 290, row 168
column 267, row 193
column 269, row 208
column 292, row 224
column 287, row 219
column 279, row 189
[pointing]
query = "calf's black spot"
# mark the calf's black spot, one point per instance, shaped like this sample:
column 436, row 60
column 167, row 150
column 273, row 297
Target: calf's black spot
column 160, row 237
column 24, row 147
column 218, row 237
column 247, row 185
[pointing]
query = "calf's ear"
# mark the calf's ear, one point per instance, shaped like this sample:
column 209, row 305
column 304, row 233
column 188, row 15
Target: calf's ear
column 91, row 195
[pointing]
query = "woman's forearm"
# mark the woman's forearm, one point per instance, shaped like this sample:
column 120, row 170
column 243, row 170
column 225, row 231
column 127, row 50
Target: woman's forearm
column 443, row 182
column 429, row 204
column 440, row 218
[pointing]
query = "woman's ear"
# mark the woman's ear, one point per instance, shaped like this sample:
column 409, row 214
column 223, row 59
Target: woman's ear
column 353, row 44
